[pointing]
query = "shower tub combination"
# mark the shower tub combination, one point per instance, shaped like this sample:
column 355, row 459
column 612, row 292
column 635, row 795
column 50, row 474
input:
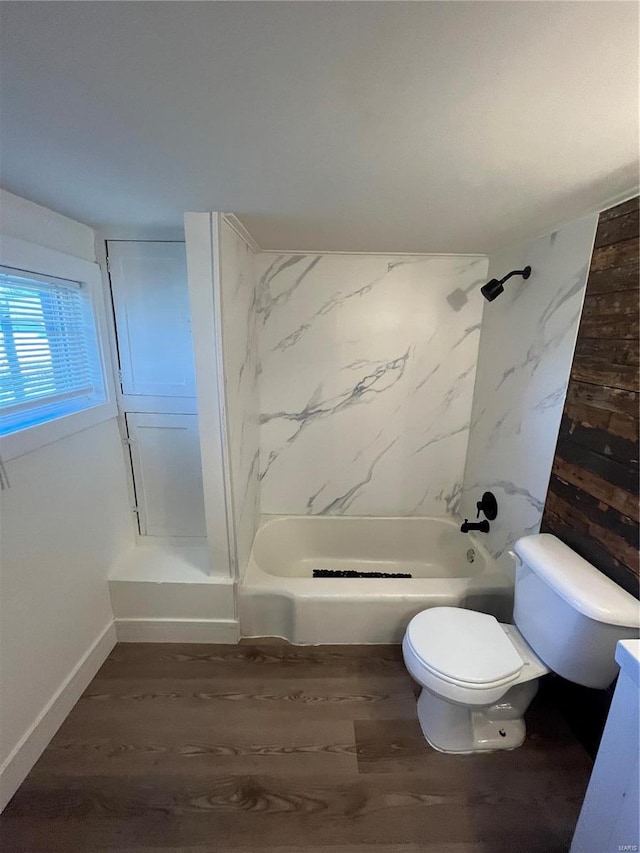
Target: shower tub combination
column 280, row 597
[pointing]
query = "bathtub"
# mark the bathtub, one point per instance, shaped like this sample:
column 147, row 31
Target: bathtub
column 279, row 597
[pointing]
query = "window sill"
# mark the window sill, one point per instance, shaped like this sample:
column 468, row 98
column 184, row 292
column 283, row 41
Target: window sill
column 32, row 438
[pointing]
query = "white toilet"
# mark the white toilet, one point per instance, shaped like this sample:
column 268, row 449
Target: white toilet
column 478, row 676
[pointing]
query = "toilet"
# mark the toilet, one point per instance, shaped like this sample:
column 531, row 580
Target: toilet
column 478, row 675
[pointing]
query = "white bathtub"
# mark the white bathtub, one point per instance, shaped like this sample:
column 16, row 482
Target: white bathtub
column 279, row 597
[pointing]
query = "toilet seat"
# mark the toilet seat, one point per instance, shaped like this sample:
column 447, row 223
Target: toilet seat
column 464, row 647
column 444, row 648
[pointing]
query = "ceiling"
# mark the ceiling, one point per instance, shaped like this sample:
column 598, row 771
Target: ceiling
column 358, row 126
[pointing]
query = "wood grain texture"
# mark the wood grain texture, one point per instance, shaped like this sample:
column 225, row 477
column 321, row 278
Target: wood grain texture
column 599, row 438
column 605, row 530
column 595, row 486
column 624, row 277
column 592, row 502
column 616, row 254
column 603, row 397
column 283, row 749
column 616, row 229
column 625, row 208
column 616, row 424
column 623, row 352
column 612, row 327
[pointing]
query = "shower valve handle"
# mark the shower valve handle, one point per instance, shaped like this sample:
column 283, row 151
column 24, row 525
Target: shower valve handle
column 488, row 505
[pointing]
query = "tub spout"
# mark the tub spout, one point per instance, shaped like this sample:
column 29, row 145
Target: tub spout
column 480, row 526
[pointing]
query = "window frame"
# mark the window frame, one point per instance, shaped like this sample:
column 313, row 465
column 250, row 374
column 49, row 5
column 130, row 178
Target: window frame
column 40, row 260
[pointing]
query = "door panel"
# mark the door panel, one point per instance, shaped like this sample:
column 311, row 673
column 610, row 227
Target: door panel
column 165, row 453
column 151, row 304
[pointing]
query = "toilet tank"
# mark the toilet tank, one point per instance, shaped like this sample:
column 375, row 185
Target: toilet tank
column 570, row 613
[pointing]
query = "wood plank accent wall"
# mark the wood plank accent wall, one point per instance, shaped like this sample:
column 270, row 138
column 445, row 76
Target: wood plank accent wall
column 592, row 502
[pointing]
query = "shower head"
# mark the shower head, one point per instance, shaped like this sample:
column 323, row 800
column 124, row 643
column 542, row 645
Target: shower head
column 492, row 289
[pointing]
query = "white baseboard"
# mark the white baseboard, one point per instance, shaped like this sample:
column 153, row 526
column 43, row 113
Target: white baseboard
column 177, row 631
column 33, row 743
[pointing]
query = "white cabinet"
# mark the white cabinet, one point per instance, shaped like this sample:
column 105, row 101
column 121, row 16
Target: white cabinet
column 151, row 305
column 165, row 452
column 609, row 820
column 157, row 391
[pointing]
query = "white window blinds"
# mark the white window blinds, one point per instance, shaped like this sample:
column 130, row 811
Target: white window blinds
column 49, row 360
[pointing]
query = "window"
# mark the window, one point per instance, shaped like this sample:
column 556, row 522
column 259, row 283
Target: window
column 49, row 357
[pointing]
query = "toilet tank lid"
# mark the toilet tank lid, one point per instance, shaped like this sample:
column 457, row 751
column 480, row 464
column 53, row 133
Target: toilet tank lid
column 584, row 587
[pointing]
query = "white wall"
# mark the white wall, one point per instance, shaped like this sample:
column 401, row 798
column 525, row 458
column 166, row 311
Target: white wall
column 29, row 221
column 367, row 366
column 526, row 350
column 240, row 343
column 202, row 235
column 63, row 521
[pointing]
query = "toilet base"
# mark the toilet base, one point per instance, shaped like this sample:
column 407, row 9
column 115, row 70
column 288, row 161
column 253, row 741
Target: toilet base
column 448, row 727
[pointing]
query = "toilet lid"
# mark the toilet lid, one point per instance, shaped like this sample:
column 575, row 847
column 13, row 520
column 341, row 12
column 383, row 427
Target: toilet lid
column 463, row 646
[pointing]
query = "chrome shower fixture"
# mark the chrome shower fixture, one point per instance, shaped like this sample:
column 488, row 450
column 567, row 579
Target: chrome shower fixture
column 495, row 287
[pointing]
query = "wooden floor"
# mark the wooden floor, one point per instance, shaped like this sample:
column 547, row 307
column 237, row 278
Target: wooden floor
column 279, row 749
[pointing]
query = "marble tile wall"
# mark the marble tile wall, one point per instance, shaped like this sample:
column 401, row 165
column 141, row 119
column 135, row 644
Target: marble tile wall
column 367, row 368
column 240, row 349
column 524, row 361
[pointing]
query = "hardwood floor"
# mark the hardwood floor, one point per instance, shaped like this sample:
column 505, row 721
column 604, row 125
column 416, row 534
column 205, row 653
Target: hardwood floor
column 280, row 749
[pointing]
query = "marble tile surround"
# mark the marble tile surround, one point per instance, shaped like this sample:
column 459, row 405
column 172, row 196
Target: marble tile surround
column 367, row 369
column 350, row 381
column 240, row 348
column 524, row 361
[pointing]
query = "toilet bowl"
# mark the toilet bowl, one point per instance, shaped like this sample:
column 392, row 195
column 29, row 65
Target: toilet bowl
column 478, row 677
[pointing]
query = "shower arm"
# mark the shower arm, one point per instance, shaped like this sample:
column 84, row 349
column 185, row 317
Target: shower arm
column 525, row 273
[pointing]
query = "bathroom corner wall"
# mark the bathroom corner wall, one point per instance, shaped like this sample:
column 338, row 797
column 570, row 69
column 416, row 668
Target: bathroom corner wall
column 240, row 349
column 592, row 502
column 367, row 372
column 526, row 350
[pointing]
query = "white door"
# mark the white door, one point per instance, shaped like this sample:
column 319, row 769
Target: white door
column 151, row 305
column 157, row 393
column 165, row 452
